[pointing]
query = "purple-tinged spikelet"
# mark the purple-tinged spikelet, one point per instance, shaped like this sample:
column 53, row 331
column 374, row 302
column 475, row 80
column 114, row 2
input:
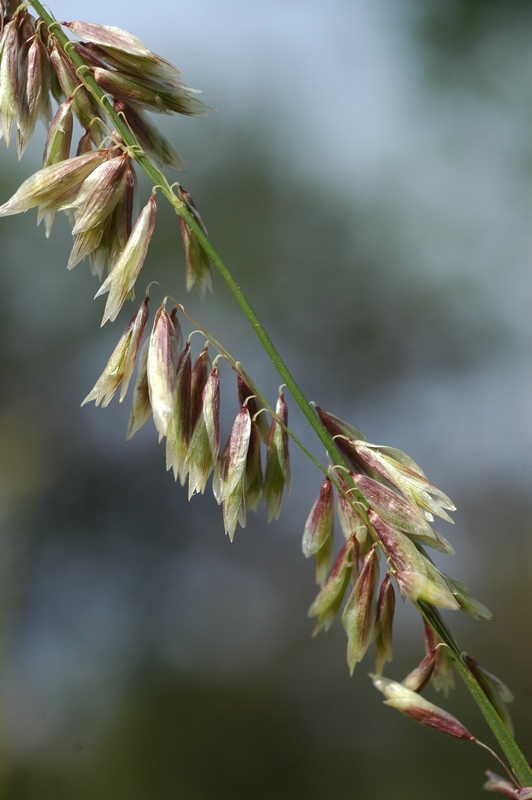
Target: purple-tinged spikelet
column 121, row 279
column 360, row 611
column 119, row 368
column 277, row 462
column 162, row 368
column 420, row 710
column 384, row 624
column 329, row 600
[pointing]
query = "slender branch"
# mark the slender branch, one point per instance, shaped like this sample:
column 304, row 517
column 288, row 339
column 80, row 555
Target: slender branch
column 515, row 757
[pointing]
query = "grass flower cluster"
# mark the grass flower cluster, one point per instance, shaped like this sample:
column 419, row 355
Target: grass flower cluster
column 107, row 83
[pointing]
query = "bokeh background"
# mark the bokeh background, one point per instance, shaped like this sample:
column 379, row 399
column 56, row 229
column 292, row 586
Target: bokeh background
column 367, row 178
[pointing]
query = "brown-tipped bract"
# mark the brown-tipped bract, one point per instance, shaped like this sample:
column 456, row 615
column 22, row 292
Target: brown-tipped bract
column 420, row 710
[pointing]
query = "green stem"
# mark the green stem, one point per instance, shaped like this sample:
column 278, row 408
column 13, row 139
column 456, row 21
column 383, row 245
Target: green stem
column 517, row 760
